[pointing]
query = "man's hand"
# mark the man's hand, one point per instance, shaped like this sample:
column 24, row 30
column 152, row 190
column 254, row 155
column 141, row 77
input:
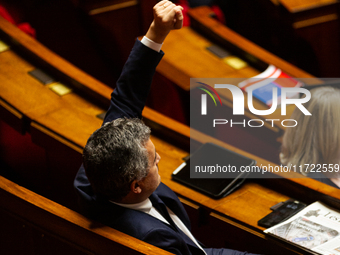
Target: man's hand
column 167, row 16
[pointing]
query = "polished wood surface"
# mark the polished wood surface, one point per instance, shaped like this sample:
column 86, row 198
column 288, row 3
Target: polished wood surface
column 39, row 103
column 302, row 5
column 180, row 64
column 41, row 216
column 70, row 119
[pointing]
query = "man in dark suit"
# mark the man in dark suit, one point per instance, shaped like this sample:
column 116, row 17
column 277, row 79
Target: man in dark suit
column 119, row 184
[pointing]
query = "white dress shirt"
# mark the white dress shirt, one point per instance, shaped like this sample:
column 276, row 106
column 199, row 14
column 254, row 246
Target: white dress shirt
column 151, row 44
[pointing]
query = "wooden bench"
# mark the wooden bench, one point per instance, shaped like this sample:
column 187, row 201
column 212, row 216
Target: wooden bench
column 32, row 224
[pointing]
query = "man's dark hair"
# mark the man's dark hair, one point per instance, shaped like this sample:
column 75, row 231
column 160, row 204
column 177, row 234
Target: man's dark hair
column 115, row 155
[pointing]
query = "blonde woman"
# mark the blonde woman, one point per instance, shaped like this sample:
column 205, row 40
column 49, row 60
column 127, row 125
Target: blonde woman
column 313, row 146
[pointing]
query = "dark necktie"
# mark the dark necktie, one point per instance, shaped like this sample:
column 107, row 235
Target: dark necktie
column 161, row 208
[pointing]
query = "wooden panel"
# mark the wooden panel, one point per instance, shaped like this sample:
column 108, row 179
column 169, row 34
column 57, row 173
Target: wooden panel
column 324, row 36
column 13, row 117
column 25, row 161
column 317, row 22
column 116, row 41
column 306, row 32
column 56, row 229
column 63, row 158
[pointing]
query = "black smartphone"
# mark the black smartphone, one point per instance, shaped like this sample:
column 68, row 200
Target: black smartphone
column 286, row 210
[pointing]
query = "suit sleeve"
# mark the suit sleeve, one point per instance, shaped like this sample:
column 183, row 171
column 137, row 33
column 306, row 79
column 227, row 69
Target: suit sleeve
column 133, row 85
column 170, row 242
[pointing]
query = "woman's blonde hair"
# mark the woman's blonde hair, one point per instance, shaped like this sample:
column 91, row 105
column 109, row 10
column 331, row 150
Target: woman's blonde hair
column 316, row 138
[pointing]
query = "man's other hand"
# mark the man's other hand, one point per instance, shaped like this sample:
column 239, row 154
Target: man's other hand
column 167, row 16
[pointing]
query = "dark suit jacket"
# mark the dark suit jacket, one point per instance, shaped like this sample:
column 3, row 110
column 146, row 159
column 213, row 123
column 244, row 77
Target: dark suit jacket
column 128, row 100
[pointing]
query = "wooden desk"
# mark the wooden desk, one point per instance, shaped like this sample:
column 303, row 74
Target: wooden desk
column 180, row 64
column 186, row 56
column 68, row 120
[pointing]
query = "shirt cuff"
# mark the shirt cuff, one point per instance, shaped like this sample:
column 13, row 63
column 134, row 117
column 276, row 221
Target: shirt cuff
column 151, row 44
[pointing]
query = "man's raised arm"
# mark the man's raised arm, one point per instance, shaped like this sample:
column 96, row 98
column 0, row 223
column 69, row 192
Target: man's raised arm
column 133, row 86
column 129, row 97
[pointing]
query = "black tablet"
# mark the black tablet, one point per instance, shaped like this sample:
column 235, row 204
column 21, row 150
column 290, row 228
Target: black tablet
column 211, row 155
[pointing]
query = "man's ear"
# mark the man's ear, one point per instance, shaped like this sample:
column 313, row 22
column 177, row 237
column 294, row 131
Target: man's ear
column 135, row 188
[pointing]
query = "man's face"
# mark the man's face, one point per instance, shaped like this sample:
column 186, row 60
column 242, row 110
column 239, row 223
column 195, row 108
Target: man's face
column 153, row 179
